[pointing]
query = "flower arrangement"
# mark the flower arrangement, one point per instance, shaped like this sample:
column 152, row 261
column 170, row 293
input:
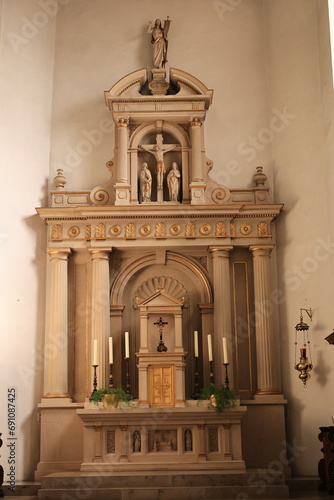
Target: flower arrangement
column 219, row 397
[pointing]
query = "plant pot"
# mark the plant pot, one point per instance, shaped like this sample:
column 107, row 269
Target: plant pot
column 110, row 400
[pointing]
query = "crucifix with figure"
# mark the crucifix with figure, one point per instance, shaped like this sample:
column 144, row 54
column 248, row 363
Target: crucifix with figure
column 158, row 150
column 160, row 324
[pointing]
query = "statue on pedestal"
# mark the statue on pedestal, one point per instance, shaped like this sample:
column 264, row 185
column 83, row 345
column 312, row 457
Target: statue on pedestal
column 173, row 182
column 145, row 183
column 159, row 42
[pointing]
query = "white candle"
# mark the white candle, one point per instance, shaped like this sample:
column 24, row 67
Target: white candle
column 225, row 356
column 127, row 350
column 196, row 343
column 111, row 352
column 95, row 353
column 210, row 348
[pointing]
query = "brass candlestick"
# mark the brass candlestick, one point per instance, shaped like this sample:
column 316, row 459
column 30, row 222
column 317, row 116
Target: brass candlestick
column 127, row 376
column 111, row 381
column 227, row 380
column 195, row 394
column 212, row 378
column 94, row 379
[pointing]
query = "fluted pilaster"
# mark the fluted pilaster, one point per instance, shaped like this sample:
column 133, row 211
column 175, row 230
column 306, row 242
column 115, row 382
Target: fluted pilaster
column 267, row 359
column 100, row 314
column 56, row 339
column 222, row 309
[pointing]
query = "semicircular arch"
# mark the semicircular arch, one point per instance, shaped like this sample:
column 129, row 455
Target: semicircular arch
column 175, row 260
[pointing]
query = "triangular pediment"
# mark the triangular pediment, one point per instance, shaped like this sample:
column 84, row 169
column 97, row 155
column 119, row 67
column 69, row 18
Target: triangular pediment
column 160, row 298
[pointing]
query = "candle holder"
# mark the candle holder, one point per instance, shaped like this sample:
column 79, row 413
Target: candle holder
column 304, row 367
column 212, row 378
column 111, row 381
column 227, row 380
column 195, row 394
column 94, row 379
column 127, row 377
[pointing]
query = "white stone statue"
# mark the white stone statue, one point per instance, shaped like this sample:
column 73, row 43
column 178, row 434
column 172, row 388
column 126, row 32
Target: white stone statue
column 173, row 182
column 158, row 150
column 159, row 42
column 145, row 183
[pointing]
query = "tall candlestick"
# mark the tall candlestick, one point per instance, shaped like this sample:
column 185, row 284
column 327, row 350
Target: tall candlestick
column 127, row 349
column 225, row 356
column 196, row 343
column 111, row 351
column 95, row 353
column 210, row 348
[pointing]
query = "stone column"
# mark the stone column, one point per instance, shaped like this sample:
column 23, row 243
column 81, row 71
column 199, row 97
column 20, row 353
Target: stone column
column 267, row 359
column 197, row 185
column 56, row 341
column 122, row 186
column 100, row 314
column 222, row 311
column 196, row 153
column 122, row 150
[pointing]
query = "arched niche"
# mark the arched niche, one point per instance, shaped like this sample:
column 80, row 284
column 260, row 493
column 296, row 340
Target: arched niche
column 135, row 273
column 172, row 134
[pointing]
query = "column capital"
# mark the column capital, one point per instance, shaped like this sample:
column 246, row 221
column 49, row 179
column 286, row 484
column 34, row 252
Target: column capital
column 221, row 251
column 196, row 122
column 59, row 252
column 100, row 253
column 261, row 250
column 122, row 122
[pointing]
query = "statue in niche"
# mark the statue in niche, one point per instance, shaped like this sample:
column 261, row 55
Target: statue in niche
column 136, row 441
column 145, row 183
column 158, row 150
column 159, row 41
column 188, row 440
column 173, row 182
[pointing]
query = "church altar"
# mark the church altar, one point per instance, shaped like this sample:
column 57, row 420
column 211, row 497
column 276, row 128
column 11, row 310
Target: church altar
column 159, row 251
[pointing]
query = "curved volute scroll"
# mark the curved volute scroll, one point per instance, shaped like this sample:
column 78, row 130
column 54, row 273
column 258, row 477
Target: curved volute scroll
column 104, row 195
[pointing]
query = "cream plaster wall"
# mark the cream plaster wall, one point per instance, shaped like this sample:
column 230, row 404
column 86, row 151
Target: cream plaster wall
column 26, row 93
column 268, row 64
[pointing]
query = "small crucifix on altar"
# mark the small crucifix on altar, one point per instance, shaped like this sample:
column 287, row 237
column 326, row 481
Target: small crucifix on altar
column 158, row 150
column 160, row 324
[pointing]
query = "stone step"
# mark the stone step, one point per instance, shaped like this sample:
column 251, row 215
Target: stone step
column 169, row 493
column 166, row 486
column 138, row 480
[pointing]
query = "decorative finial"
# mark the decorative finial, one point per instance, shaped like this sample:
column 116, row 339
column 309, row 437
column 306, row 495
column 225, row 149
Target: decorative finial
column 259, row 178
column 60, row 180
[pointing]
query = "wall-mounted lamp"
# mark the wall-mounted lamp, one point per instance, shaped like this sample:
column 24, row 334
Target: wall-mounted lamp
column 305, row 364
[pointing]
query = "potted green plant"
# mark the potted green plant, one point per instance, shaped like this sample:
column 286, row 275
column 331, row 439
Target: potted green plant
column 219, row 397
column 110, row 397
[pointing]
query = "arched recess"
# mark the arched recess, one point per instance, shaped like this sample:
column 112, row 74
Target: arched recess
column 137, row 271
column 178, row 261
column 176, row 132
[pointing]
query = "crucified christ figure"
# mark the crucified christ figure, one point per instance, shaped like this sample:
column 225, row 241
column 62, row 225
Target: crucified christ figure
column 158, row 150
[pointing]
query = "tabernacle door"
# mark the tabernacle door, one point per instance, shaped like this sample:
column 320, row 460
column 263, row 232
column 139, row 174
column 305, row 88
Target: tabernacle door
column 161, row 386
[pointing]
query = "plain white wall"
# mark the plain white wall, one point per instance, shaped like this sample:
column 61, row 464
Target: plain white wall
column 27, row 55
column 268, row 65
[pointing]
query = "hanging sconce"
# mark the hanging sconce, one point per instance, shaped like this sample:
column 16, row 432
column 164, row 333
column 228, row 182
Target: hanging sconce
column 305, row 364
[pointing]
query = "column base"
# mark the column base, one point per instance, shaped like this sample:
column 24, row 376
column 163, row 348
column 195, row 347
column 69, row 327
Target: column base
column 122, row 194
column 197, row 193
